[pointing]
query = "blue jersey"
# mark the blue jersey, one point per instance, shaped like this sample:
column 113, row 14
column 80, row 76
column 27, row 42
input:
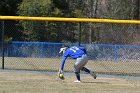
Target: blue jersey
column 73, row 52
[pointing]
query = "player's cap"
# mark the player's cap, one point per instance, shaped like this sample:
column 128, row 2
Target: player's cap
column 64, row 46
column 63, row 49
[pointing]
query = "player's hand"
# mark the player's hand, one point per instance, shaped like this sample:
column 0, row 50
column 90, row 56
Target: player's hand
column 60, row 74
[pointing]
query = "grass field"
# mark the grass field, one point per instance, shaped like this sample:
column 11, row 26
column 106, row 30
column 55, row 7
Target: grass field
column 39, row 80
column 32, row 82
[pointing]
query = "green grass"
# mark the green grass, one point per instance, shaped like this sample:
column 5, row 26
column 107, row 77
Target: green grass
column 28, row 82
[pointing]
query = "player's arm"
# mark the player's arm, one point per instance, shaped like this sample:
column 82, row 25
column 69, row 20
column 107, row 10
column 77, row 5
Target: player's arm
column 60, row 73
column 63, row 63
column 65, row 55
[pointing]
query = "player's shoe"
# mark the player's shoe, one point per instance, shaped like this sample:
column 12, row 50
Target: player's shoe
column 93, row 74
column 77, row 81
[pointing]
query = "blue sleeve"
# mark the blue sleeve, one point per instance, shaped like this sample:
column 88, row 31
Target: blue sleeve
column 63, row 62
column 65, row 55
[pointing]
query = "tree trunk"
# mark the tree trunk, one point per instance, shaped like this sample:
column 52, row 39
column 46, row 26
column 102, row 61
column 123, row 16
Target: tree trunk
column 93, row 14
column 136, row 16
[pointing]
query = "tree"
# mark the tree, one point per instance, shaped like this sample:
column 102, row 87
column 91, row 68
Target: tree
column 68, row 31
column 9, row 8
column 114, row 9
column 38, row 30
column 43, row 30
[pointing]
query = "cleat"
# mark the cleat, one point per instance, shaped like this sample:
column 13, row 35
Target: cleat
column 77, row 81
column 93, row 74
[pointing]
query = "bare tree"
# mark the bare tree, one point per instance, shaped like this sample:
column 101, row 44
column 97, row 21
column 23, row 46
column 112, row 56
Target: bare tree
column 136, row 16
column 93, row 14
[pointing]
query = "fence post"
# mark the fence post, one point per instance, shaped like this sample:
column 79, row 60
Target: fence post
column 2, row 44
column 79, row 38
column 115, row 54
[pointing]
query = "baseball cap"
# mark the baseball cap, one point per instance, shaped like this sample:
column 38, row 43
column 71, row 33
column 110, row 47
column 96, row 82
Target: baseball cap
column 63, row 49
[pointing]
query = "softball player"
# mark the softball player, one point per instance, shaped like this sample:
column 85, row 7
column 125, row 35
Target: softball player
column 80, row 54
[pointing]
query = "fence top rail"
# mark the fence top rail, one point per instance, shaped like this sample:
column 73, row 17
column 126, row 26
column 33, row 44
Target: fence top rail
column 21, row 42
column 116, row 45
column 94, row 20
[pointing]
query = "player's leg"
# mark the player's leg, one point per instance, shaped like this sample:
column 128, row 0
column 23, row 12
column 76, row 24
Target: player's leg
column 77, row 72
column 83, row 61
column 85, row 70
column 93, row 74
column 80, row 62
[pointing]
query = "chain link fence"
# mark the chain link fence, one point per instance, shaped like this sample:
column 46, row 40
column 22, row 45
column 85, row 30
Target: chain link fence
column 103, row 58
column 112, row 48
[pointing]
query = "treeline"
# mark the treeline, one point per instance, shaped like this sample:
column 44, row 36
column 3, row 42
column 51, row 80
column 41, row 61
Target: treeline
column 45, row 31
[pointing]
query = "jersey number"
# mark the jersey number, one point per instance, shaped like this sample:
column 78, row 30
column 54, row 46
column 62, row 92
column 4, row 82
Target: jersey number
column 74, row 49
